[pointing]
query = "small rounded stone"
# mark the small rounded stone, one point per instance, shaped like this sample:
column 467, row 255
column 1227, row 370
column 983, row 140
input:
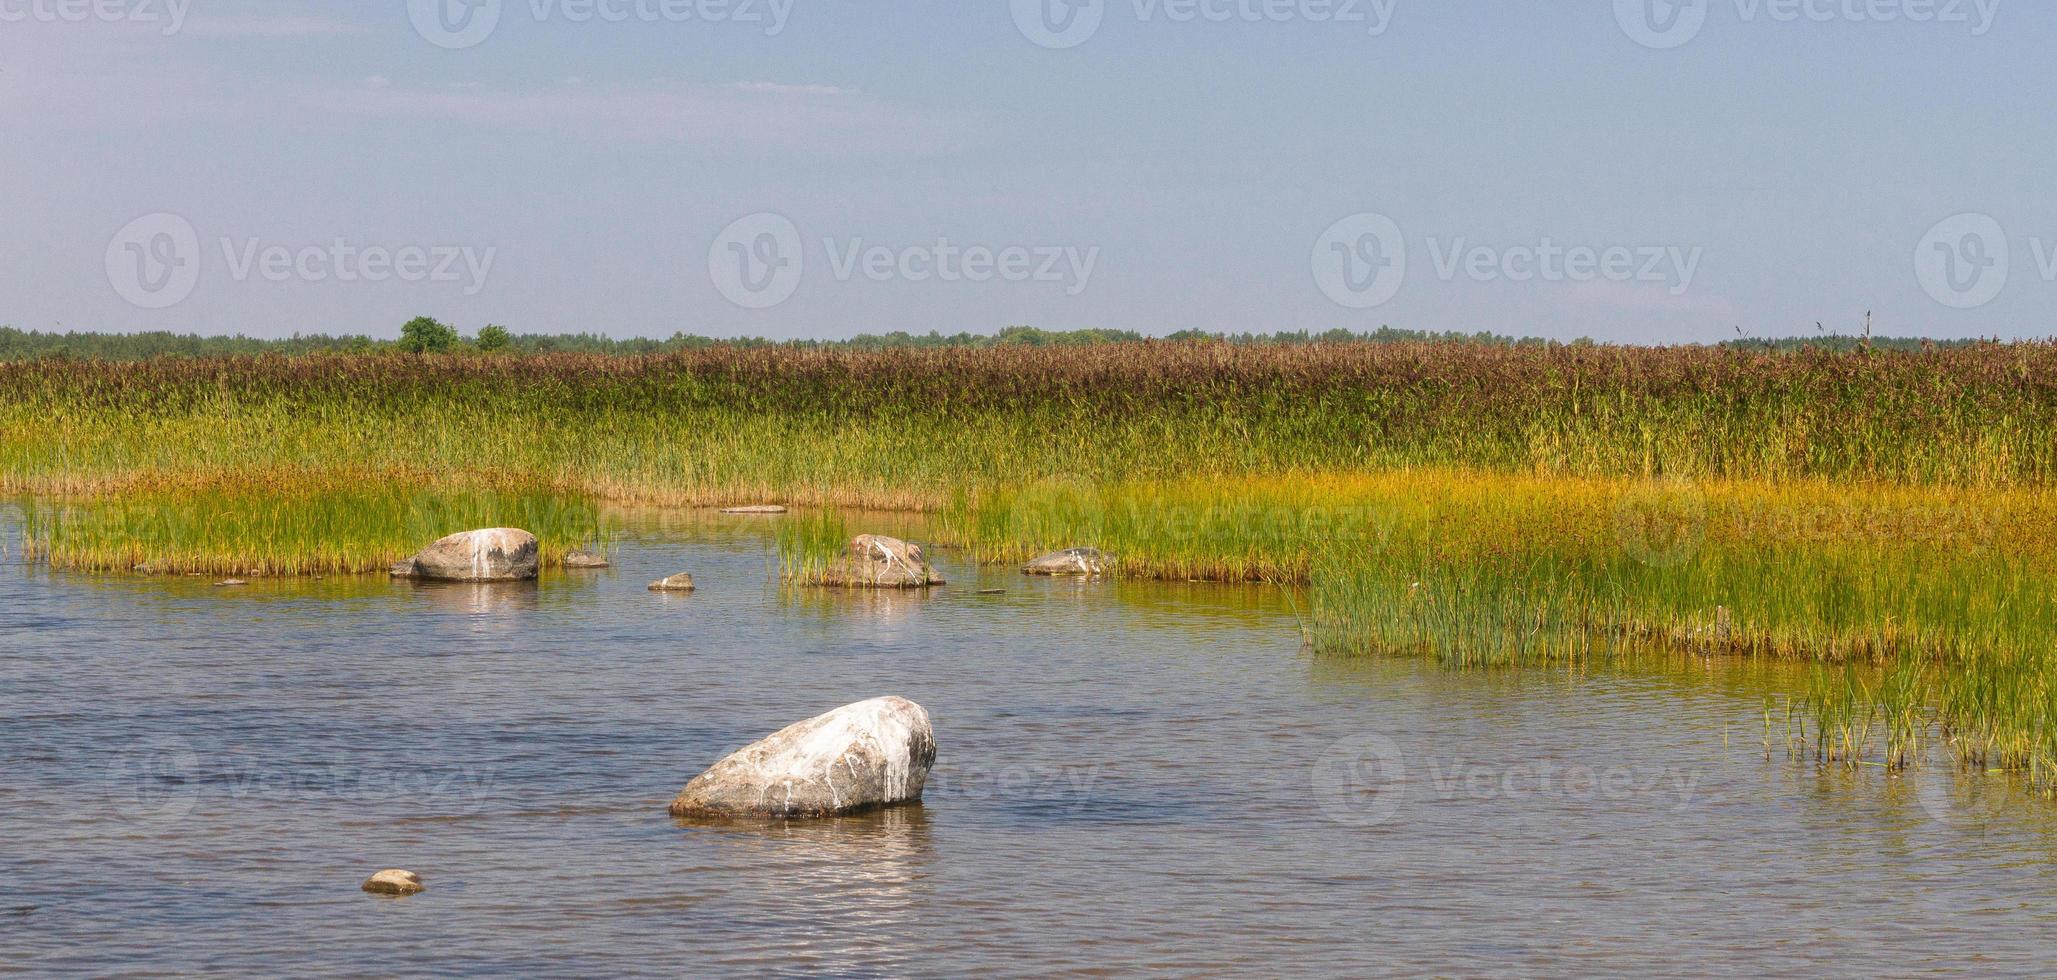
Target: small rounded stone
column 394, row 881
column 681, row 582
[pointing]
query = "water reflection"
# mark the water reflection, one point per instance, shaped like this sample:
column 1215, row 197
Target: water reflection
column 881, row 606
column 1129, row 784
column 858, row 884
column 482, row 600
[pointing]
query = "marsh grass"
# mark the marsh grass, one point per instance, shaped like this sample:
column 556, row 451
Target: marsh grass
column 808, row 543
column 1888, row 517
column 331, row 530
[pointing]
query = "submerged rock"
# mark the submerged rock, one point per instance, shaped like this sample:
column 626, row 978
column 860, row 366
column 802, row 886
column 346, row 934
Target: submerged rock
column 498, row 554
column 857, row 757
column 755, row 509
column 394, row 881
column 230, row 583
column 874, row 561
column 1072, row 561
column 582, row 558
column 681, row 582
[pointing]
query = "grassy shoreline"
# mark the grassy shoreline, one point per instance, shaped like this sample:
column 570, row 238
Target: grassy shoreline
column 1891, row 517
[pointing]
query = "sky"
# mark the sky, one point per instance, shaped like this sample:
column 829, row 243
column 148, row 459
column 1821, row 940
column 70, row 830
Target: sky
column 1633, row 171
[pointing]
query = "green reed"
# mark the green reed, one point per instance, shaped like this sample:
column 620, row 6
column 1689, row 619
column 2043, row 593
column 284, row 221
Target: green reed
column 328, row 531
column 808, row 543
column 1888, row 516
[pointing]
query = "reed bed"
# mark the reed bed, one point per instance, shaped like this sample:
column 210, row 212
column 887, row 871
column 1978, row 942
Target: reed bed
column 313, row 531
column 907, row 428
column 1927, row 614
column 1887, row 517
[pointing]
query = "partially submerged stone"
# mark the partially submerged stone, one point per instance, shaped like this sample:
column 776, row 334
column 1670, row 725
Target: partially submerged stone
column 857, row 757
column 755, row 509
column 498, row 554
column 582, row 558
column 1090, row 562
column 230, row 583
column 394, row 881
column 874, row 561
column 681, row 582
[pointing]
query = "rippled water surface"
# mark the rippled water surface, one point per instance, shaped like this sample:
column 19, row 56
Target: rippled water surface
column 1132, row 777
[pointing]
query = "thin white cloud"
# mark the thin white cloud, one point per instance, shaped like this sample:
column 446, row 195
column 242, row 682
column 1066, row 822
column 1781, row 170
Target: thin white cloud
column 775, row 88
column 267, row 25
column 752, row 115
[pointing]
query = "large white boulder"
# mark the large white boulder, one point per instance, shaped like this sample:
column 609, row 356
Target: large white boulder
column 500, row 554
column 857, row 757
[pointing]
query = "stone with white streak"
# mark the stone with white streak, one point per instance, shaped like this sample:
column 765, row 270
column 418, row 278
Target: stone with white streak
column 1090, row 562
column 861, row 756
column 498, row 554
column 682, row 582
column 874, row 561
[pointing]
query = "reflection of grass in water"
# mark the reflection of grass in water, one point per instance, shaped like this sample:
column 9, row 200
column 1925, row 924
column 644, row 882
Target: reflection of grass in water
column 309, row 530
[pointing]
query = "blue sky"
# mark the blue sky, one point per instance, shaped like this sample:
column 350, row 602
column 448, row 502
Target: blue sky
column 1552, row 169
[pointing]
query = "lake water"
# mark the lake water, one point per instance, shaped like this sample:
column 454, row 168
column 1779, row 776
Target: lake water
column 1131, row 777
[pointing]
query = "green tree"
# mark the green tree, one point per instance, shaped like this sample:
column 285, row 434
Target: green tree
column 492, row 336
column 424, row 335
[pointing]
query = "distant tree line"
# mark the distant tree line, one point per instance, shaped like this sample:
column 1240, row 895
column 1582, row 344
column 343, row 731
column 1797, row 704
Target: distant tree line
column 426, row 335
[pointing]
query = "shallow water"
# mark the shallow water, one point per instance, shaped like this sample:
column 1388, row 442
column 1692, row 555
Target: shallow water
column 1132, row 777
